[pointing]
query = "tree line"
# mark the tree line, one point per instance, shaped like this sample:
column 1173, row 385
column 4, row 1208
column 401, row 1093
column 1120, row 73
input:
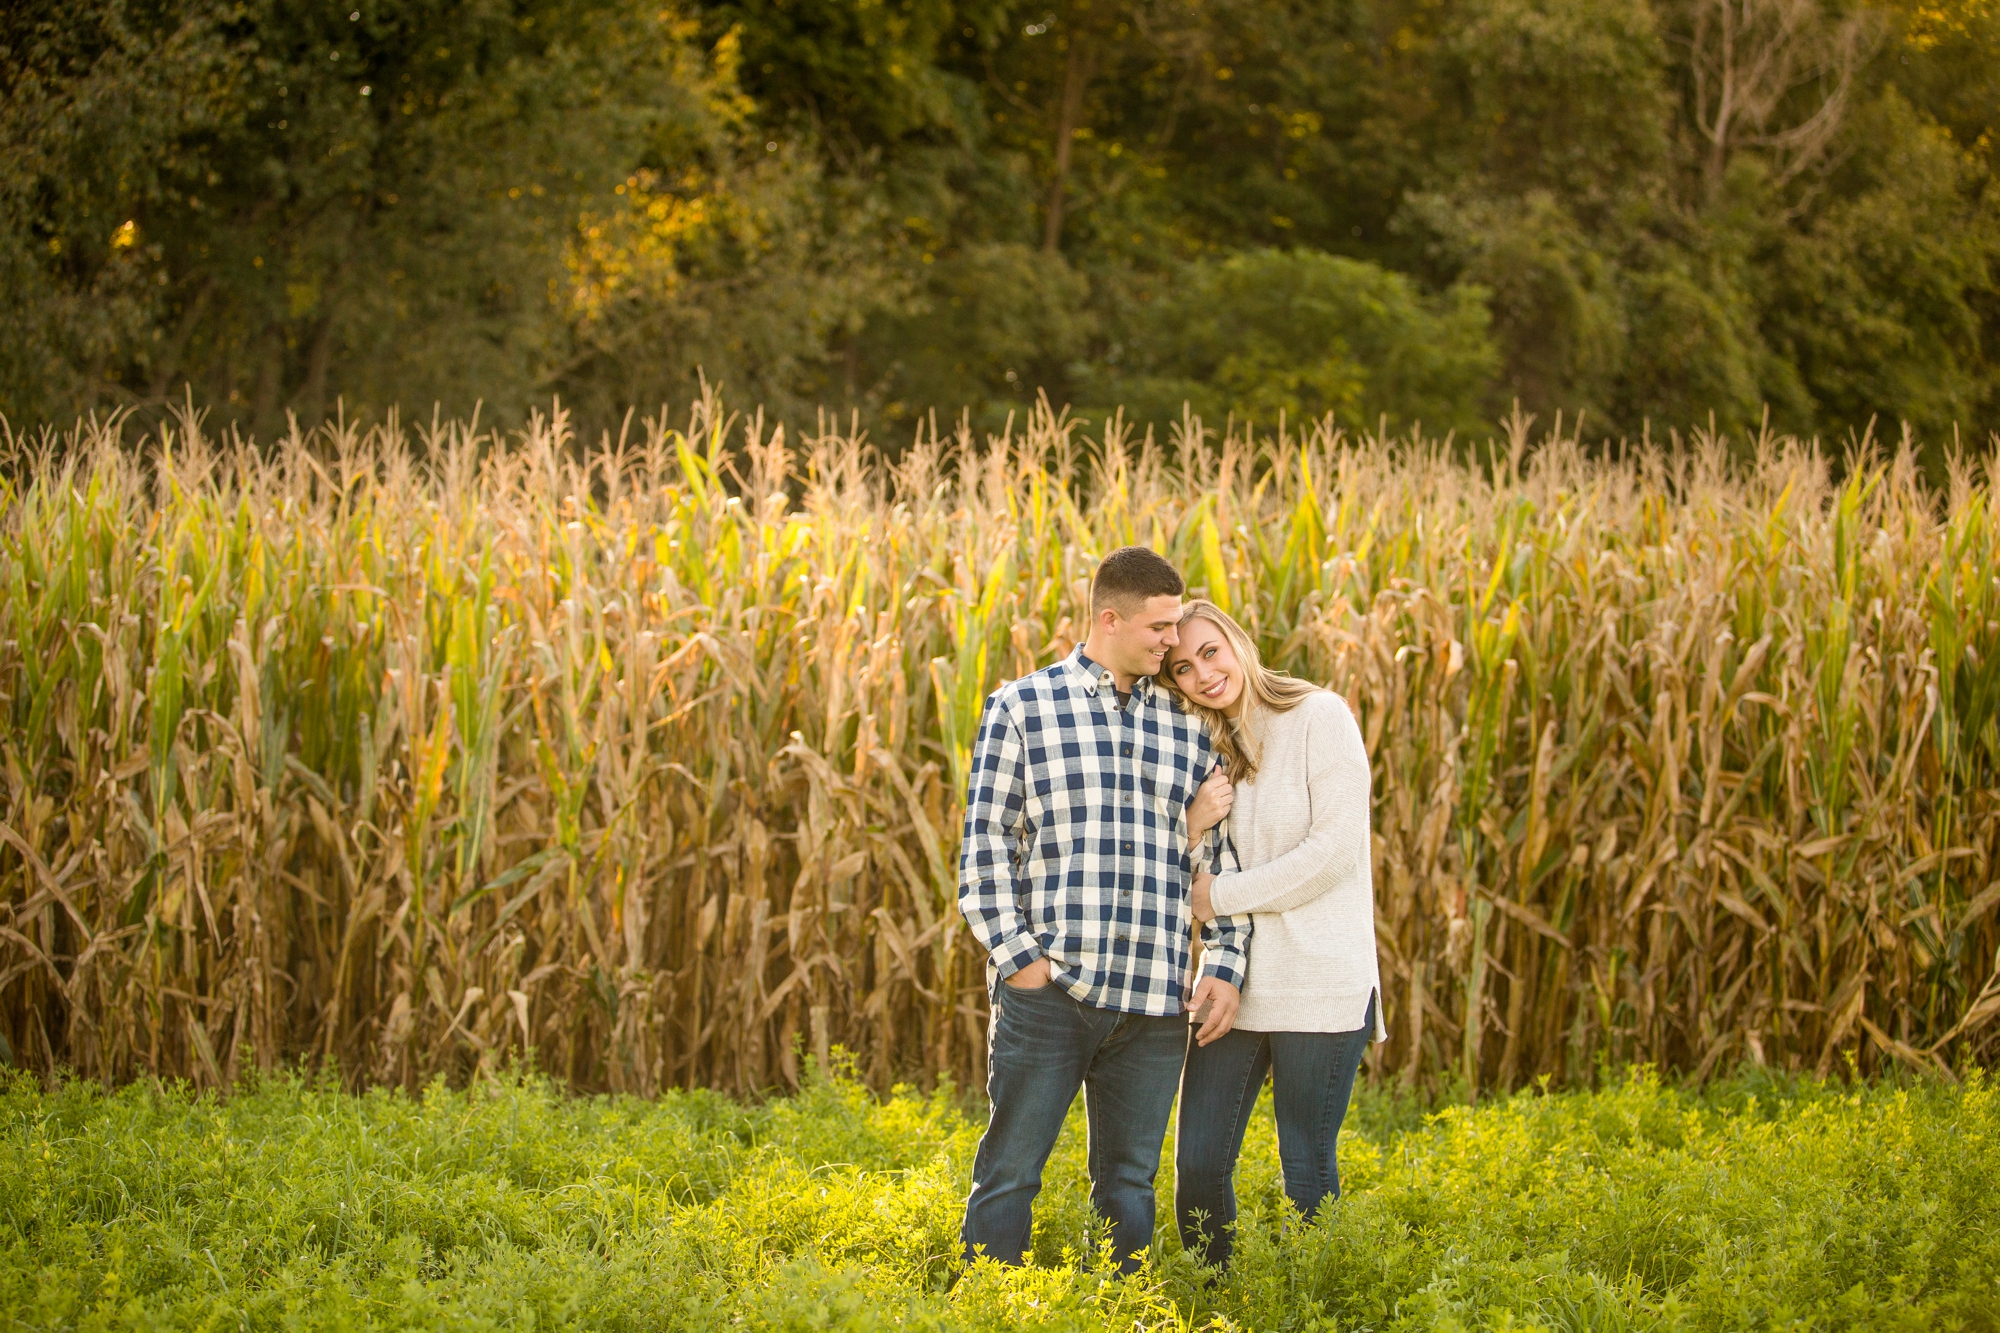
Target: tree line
column 1657, row 214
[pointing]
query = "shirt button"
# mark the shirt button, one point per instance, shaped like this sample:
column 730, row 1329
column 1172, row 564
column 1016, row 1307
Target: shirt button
column 1128, row 751
column 1126, row 845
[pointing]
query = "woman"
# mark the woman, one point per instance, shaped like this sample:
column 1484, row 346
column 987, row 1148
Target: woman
column 1311, row 1002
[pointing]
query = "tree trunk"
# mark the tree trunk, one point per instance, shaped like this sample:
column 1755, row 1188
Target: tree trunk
column 1076, row 76
column 170, row 356
column 1725, row 109
column 319, row 359
column 267, row 401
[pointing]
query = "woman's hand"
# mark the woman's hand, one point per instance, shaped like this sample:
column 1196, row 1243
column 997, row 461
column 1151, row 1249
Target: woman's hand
column 1210, row 805
column 1198, row 901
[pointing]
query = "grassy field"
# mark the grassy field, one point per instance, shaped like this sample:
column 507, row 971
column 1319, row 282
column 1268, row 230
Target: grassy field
column 413, row 750
column 294, row 1205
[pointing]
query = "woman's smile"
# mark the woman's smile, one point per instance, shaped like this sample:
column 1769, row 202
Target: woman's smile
column 1205, row 669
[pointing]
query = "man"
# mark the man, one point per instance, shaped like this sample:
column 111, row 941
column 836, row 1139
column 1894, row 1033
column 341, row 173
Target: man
column 1075, row 876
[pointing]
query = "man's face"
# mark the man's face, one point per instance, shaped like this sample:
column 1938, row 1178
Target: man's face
column 1136, row 644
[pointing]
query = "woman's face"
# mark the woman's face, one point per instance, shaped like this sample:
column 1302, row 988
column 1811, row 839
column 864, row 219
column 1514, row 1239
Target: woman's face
column 1204, row 667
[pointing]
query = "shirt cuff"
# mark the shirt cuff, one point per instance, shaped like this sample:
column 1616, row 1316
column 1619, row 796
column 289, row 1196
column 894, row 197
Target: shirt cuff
column 1218, row 894
column 1015, row 952
column 1224, row 964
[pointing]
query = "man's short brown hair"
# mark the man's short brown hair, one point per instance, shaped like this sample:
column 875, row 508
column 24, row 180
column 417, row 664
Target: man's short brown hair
column 1129, row 576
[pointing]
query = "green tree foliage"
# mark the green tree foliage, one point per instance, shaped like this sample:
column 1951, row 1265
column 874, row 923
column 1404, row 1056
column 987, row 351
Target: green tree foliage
column 1565, row 96
column 418, row 200
column 1303, row 333
column 1877, row 293
column 1667, row 209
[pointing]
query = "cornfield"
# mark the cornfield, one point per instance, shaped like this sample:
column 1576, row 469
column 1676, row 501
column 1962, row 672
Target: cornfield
column 413, row 751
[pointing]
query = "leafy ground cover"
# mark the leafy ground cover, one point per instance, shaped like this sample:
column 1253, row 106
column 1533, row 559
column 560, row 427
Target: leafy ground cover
column 295, row 1205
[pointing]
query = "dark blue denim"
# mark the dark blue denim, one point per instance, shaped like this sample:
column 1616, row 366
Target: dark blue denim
column 1312, row 1077
column 1043, row 1046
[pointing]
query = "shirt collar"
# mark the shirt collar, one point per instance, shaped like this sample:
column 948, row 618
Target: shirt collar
column 1094, row 678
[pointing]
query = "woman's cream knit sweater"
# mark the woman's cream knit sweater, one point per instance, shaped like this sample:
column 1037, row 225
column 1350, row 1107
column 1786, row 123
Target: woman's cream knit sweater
column 1300, row 829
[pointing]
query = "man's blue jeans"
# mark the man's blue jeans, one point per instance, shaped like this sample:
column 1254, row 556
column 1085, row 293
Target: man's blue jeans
column 1312, row 1077
column 1044, row 1045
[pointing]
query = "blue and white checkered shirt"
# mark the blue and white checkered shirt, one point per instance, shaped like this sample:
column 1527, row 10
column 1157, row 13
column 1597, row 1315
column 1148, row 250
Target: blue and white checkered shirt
column 1076, row 840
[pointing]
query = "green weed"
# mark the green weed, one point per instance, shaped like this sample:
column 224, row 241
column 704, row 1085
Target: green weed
column 295, row 1205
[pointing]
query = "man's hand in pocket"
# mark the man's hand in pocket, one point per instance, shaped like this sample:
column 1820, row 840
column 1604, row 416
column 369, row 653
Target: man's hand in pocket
column 1032, row 977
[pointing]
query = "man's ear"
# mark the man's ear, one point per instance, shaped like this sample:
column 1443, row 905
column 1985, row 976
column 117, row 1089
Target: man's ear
column 1108, row 617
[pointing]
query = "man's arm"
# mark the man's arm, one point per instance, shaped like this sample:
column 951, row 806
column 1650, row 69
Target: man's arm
column 1225, row 941
column 1225, row 949
column 989, row 895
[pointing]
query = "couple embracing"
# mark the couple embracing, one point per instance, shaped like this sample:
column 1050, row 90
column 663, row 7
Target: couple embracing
column 1159, row 777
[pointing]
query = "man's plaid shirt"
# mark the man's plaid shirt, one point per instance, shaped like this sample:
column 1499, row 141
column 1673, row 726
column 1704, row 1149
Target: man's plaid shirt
column 1076, row 840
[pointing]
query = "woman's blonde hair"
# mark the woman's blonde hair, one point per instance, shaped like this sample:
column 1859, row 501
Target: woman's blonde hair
column 1273, row 689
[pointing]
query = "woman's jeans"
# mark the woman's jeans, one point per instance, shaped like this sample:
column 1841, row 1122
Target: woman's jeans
column 1312, row 1076
column 1045, row 1044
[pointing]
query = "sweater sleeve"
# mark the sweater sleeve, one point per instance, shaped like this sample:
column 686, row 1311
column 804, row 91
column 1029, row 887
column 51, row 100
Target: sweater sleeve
column 1338, row 783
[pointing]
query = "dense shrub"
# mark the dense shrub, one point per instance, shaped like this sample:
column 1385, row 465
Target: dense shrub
column 1271, row 331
